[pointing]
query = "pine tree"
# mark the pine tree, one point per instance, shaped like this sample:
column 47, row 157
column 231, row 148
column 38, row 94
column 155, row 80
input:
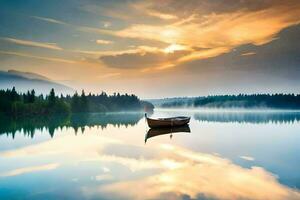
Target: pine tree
column 31, row 97
column 51, row 98
column 84, row 102
column 75, row 104
column 14, row 95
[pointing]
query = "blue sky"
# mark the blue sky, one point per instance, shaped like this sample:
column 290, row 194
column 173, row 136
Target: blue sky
column 155, row 48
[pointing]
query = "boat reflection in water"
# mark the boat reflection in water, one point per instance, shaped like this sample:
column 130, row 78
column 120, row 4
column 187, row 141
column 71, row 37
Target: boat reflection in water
column 167, row 130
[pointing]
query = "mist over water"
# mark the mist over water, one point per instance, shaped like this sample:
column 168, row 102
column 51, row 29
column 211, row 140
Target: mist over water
column 28, row 126
column 253, row 154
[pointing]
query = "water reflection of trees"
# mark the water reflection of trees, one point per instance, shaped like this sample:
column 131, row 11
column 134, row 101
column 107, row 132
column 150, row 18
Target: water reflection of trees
column 29, row 126
column 249, row 117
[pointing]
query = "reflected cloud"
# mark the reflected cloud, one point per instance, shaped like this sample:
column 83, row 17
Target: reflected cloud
column 248, row 158
column 64, row 146
column 176, row 172
column 202, row 175
column 30, row 169
column 104, row 177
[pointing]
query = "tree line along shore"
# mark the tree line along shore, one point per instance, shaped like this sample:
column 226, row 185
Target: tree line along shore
column 16, row 104
column 272, row 101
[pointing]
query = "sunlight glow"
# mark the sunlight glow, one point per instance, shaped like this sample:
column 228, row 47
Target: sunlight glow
column 171, row 164
column 174, row 47
column 169, row 33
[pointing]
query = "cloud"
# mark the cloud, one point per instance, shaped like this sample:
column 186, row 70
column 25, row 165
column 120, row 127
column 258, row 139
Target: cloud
column 53, row 46
column 110, row 75
column 104, row 42
column 79, row 28
column 248, row 54
column 206, row 28
column 146, row 7
column 161, row 15
column 94, row 30
column 30, row 169
column 38, row 57
column 145, row 59
column 138, row 49
column 142, row 57
column 275, row 59
column 50, row 20
column 205, row 7
column 216, row 26
column 220, row 29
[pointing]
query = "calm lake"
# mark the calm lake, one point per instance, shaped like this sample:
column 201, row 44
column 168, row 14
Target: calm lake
column 221, row 155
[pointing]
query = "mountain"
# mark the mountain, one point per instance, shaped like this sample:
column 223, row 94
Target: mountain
column 24, row 81
column 28, row 75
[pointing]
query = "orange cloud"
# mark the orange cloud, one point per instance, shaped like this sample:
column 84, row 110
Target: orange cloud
column 142, row 59
column 248, row 54
column 205, row 29
column 220, row 32
column 104, row 42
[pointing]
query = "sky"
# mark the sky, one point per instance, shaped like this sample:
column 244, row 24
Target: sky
column 156, row 48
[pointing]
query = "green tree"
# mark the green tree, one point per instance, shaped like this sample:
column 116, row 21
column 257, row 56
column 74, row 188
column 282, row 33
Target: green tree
column 14, row 95
column 84, row 102
column 51, row 98
column 75, row 103
column 31, row 97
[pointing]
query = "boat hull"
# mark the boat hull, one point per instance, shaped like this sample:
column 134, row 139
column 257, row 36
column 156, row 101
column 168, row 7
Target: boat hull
column 168, row 122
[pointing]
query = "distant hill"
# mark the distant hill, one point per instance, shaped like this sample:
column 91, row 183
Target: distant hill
column 28, row 75
column 24, row 81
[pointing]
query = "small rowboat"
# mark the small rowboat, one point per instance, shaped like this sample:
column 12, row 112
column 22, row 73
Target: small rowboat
column 167, row 122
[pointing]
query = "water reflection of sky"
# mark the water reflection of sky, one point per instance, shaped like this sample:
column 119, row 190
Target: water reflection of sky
column 217, row 160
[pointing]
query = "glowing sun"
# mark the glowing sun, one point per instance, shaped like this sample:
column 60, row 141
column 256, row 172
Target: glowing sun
column 174, row 47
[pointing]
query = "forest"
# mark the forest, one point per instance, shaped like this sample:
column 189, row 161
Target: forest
column 16, row 104
column 274, row 101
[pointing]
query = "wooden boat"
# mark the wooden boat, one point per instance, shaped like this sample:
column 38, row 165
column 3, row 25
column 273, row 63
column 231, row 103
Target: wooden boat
column 167, row 122
column 166, row 130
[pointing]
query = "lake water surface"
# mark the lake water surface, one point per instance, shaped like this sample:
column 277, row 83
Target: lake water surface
column 221, row 155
